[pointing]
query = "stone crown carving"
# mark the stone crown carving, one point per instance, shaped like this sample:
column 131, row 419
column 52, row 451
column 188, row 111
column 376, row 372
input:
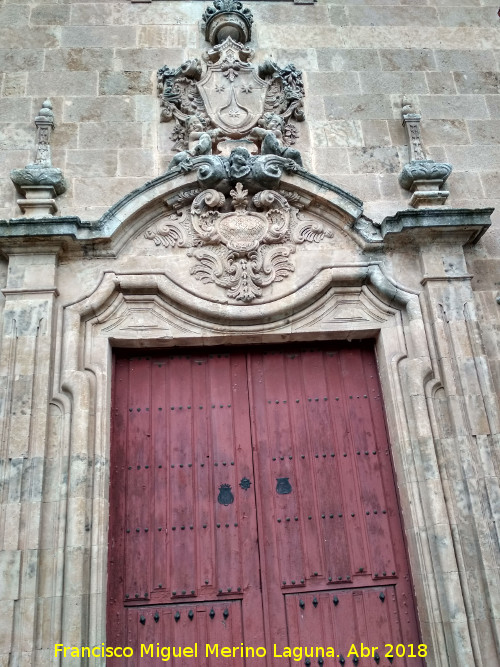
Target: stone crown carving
column 227, row 18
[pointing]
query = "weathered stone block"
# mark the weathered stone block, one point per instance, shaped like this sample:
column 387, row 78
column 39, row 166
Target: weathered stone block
column 273, row 13
column 15, row 110
column 360, row 183
column 336, row 83
column 105, row 36
column 375, row 159
column 63, row 83
column 84, row 109
column 490, row 181
column 175, row 36
column 376, row 133
column 106, row 191
column 10, row 566
column 484, row 131
column 136, row 162
column 90, row 14
column 394, row 16
column 331, row 161
column 477, row 82
column 358, row 106
column 110, row 135
column 93, row 163
column 304, row 59
column 465, row 59
column 15, row 84
column 348, row 59
column 14, row 15
column 321, row 36
column 465, row 16
column 441, row 83
column 337, row 133
column 50, row 15
column 79, row 59
column 393, row 82
column 449, row 106
column 127, row 83
column 21, row 60
column 463, row 159
column 407, row 59
column 493, row 104
column 146, row 108
column 44, row 37
column 147, row 58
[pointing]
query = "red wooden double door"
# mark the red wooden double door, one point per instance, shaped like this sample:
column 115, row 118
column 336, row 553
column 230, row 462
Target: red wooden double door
column 253, row 506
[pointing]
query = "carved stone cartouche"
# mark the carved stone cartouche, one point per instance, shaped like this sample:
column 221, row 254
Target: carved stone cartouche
column 243, row 246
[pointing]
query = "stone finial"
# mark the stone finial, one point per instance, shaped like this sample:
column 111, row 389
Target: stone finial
column 227, row 18
column 423, row 177
column 40, row 182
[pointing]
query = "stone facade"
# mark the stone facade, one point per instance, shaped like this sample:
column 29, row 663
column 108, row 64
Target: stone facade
column 423, row 282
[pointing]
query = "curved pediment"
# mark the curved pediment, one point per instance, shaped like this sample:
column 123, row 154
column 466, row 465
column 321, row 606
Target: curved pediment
column 237, row 247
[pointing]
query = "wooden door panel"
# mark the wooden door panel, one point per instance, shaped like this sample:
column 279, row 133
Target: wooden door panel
column 183, row 523
column 211, row 452
column 191, row 626
column 359, row 625
column 318, row 423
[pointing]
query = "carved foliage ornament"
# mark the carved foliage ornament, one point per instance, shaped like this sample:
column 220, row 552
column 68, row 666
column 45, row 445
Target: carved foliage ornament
column 242, row 246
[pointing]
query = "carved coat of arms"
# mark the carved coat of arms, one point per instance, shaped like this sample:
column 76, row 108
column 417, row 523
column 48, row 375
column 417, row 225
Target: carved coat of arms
column 230, row 97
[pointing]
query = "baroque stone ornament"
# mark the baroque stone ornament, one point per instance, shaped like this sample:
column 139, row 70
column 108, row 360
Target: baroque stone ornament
column 243, row 247
column 423, row 177
column 227, row 18
column 40, row 182
column 231, row 104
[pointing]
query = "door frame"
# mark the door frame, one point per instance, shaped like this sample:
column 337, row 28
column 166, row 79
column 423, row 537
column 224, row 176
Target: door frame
column 404, row 363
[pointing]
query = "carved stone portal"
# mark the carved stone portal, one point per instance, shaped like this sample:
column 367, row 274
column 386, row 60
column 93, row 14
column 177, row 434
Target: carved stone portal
column 240, row 246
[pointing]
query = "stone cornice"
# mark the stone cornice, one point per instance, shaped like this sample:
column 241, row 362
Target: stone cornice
column 462, row 225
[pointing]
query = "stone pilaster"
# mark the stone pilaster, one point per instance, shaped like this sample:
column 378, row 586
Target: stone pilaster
column 26, row 361
column 466, row 422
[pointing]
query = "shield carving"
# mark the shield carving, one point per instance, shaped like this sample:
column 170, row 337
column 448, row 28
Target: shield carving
column 232, row 91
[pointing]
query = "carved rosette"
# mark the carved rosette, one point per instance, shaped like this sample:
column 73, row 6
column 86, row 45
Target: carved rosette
column 242, row 246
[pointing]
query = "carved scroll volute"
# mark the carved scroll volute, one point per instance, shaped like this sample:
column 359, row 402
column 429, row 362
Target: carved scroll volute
column 204, row 214
column 277, row 214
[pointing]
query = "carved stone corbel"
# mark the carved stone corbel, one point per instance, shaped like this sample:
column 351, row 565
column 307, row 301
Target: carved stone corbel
column 423, row 177
column 40, row 182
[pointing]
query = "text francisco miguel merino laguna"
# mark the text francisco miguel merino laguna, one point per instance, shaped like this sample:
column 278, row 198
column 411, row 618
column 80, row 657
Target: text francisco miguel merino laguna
column 165, row 653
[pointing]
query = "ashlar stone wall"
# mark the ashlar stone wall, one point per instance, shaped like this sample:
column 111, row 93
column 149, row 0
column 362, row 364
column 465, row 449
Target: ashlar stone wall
column 97, row 63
